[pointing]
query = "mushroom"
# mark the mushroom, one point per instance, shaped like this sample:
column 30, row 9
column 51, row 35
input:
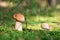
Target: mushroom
column 6, row 4
column 19, row 19
column 45, row 26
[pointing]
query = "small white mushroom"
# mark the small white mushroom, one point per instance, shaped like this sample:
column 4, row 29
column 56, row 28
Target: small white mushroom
column 19, row 19
column 45, row 26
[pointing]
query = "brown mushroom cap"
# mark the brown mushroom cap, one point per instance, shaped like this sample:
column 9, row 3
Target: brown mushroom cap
column 19, row 17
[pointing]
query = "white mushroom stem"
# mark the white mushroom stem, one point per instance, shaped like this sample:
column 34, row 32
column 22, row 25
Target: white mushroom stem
column 18, row 26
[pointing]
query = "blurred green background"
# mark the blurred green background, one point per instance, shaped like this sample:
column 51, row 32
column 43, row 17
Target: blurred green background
column 35, row 12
